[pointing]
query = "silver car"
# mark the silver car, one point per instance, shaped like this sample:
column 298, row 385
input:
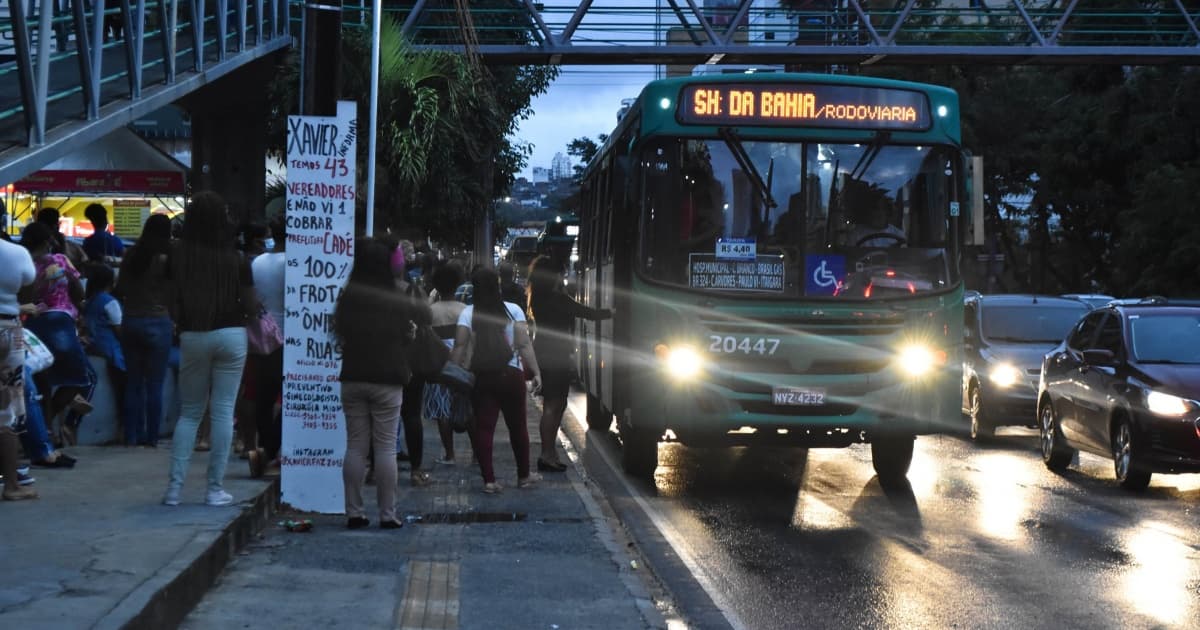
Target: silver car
column 1005, row 338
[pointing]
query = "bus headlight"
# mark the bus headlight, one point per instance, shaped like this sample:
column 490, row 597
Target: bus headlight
column 1004, row 375
column 918, row 360
column 681, row 362
column 1166, row 404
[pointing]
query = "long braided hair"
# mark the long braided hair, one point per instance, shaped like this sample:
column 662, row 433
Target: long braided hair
column 205, row 265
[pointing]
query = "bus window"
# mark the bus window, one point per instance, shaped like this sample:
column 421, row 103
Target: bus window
column 851, row 221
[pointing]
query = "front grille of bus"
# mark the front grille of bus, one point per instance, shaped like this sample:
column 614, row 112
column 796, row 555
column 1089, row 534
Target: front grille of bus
column 839, row 326
column 766, row 407
column 730, row 374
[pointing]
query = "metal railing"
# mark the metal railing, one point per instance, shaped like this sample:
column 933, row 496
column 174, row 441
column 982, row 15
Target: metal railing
column 842, row 31
column 77, row 65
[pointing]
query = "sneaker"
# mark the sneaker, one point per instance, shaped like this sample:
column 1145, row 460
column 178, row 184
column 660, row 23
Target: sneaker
column 445, row 461
column 23, row 478
column 218, row 498
column 171, row 498
column 492, row 488
column 421, row 478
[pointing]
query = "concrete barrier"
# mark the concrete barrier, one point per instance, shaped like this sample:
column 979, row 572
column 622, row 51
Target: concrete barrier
column 103, row 425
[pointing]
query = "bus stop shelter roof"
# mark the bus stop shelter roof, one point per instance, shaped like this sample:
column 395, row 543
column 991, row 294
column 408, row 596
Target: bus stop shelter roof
column 119, row 163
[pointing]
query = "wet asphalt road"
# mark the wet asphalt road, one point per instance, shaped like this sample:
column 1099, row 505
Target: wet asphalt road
column 984, row 537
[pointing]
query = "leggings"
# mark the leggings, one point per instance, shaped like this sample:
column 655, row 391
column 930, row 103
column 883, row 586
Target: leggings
column 410, row 415
column 500, row 392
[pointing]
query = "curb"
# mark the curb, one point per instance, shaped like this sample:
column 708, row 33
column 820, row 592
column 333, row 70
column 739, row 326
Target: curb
column 166, row 598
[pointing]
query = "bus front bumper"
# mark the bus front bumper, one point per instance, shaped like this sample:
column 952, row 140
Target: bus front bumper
column 816, row 413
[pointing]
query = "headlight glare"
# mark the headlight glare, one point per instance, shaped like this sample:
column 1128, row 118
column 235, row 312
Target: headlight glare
column 919, row 360
column 682, row 362
column 1166, row 404
column 1004, row 375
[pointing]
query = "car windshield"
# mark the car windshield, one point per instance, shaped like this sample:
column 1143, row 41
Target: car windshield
column 1030, row 323
column 1173, row 338
column 524, row 244
column 844, row 221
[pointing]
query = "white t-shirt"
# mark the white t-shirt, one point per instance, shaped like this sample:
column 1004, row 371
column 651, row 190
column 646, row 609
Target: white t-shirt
column 18, row 272
column 268, row 270
column 516, row 315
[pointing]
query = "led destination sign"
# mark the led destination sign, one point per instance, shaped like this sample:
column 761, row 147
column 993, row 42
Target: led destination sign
column 809, row 105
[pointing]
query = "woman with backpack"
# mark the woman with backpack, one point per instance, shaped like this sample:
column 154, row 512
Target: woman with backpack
column 500, row 358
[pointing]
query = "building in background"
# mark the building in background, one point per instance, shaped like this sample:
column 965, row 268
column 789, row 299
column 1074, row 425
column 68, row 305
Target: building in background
column 560, row 168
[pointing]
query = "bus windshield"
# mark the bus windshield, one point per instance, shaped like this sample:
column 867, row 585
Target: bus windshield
column 792, row 219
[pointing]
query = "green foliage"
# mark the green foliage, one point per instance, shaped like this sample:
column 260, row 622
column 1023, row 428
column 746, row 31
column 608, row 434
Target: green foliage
column 443, row 150
column 1107, row 157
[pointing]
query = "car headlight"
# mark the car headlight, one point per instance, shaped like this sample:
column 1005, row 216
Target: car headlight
column 919, row 360
column 1166, row 404
column 1004, row 375
column 681, row 362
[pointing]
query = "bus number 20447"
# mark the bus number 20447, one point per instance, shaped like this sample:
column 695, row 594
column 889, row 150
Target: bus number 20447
column 719, row 344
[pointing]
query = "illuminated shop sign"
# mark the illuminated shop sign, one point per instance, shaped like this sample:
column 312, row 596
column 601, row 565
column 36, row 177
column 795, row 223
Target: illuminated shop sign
column 805, row 105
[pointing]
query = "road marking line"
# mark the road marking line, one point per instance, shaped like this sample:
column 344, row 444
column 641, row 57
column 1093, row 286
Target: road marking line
column 430, row 597
column 669, row 533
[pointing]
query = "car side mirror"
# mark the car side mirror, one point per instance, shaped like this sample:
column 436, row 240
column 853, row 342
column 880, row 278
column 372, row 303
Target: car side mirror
column 1101, row 358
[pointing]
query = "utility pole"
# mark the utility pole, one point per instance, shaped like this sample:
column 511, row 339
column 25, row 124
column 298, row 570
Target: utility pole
column 321, row 58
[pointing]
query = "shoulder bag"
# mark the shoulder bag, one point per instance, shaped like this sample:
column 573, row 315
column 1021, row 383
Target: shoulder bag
column 427, row 355
column 263, row 334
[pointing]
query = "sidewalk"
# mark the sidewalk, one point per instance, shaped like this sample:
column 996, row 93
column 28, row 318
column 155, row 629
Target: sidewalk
column 97, row 550
column 547, row 557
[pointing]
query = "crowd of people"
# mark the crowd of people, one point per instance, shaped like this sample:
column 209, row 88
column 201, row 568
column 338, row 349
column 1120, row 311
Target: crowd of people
column 189, row 298
column 181, row 299
column 487, row 323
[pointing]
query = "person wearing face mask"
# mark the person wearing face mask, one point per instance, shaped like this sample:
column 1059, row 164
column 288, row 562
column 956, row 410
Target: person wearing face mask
column 268, row 270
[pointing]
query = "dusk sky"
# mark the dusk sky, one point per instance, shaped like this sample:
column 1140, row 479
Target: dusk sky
column 583, row 101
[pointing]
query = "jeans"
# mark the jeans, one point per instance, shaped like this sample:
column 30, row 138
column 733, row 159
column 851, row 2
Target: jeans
column 36, row 438
column 210, row 372
column 147, row 345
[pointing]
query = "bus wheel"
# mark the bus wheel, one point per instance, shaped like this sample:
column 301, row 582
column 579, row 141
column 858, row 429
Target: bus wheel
column 891, row 454
column 639, row 452
column 598, row 418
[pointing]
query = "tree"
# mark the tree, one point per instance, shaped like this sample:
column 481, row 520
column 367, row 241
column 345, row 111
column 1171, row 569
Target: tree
column 442, row 147
column 584, row 149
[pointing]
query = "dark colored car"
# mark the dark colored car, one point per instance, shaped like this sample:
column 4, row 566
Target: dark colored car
column 1005, row 338
column 521, row 252
column 1125, row 384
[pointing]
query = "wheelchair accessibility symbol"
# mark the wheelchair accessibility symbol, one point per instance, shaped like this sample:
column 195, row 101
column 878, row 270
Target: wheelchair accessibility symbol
column 824, row 274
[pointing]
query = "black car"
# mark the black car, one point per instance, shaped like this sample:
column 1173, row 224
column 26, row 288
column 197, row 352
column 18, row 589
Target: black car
column 1125, row 384
column 1005, row 338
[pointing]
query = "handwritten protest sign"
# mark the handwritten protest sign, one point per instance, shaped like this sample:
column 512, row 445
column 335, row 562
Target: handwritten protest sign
column 320, row 252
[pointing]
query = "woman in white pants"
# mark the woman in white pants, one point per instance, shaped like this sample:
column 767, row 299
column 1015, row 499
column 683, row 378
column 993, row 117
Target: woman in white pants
column 213, row 291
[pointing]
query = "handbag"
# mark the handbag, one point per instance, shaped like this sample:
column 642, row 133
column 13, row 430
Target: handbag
column 263, row 334
column 456, row 377
column 37, row 356
column 427, row 354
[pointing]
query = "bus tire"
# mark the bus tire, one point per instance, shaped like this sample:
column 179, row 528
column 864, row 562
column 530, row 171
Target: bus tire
column 891, row 455
column 598, row 418
column 639, row 452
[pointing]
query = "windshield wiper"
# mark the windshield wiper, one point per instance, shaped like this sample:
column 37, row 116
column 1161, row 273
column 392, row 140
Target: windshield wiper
column 743, row 159
column 868, row 157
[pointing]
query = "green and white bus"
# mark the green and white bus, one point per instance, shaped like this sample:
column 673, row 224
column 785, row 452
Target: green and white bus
column 782, row 255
